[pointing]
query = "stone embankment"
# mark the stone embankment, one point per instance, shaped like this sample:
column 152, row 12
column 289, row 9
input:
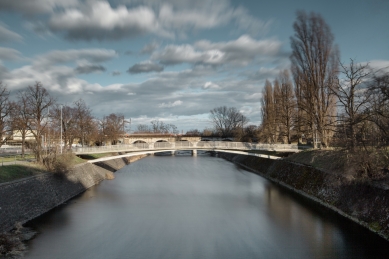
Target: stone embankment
column 28, row 198
column 361, row 201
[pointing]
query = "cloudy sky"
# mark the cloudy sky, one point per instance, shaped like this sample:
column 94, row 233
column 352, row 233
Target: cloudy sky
column 172, row 60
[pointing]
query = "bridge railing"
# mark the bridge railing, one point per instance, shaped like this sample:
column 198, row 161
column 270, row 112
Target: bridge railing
column 185, row 144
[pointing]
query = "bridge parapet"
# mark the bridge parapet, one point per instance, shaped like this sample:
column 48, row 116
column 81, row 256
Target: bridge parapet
column 182, row 145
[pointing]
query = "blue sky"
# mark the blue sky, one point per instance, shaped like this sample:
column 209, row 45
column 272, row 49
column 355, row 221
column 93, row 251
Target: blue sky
column 171, row 60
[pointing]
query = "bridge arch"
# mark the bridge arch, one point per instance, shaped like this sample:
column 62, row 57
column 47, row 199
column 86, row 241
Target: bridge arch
column 139, row 142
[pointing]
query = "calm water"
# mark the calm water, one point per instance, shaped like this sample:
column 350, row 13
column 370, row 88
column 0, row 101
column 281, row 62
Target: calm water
column 195, row 207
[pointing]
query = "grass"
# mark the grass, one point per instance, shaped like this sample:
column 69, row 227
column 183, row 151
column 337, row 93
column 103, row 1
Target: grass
column 78, row 160
column 11, row 158
column 375, row 226
column 14, row 172
column 18, row 171
column 334, row 161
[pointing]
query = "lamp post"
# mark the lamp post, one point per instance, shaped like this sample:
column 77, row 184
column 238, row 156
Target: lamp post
column 48, row 141
column 60, row 143
column 242, row 127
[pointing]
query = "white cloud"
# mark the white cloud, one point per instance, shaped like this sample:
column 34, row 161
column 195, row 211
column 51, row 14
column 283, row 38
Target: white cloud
column 89, row 68
column 239, row 52
column 35, row 6
column 203, row 19
column 174, row 93
column 7, row 35
column 244, row 45
column 117, row 19
column 145, row 67
column 98, row 20
column 255, row 96
column 173, row 54
column 149, row 48
column 379, row 65
column 49, row 69
column 72, row 55
column 170, row 104
column 210, row 85
column 250, row 24
column 9, row 54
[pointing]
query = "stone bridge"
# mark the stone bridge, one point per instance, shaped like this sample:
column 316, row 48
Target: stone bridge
column 156, row 138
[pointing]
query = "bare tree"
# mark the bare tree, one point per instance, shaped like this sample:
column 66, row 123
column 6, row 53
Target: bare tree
column 157, row 127
column 143, row 128
column 85, row 125
column 314, row 66
column 5, row 109
column 286, row 106
column 268, row 129
column 193, row 132
column 381, row 84
column 69, row 123
column 161, row 127
column 38, row 101
column 353, row 96
column 379, row 105
column 91, row 133
column 249, row 133
column 227, row 120
column 277, row 126
column 208, row 132
column 112, row 126
column 20, row 118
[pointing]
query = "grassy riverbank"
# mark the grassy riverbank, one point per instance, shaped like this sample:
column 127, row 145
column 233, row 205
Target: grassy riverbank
column 12, row 172
column 353, row 184
column 18, row 171
column 361, row 164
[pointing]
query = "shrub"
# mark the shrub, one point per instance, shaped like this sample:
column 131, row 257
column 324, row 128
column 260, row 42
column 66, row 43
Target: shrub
column 59, row 163
column 63, row 163
column 10, row 244
column 370, row 163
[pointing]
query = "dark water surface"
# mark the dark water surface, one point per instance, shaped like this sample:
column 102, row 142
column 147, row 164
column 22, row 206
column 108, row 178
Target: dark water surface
column 195, row 207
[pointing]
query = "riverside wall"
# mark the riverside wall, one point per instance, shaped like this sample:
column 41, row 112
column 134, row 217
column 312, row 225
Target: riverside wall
column 364, row 202
column 27, row 198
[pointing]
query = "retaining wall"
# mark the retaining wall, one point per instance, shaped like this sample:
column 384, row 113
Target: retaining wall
column 28, row 198
column 363, row 202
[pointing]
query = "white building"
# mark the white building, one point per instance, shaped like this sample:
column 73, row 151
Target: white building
column 17, row 135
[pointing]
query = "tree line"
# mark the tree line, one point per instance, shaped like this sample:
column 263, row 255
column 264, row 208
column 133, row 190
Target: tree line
column 319, row 101
column 35, row 112
column 158, row 127
column 324, row 101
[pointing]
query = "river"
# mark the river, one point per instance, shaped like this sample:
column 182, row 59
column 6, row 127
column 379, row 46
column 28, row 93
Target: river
column 195, row 207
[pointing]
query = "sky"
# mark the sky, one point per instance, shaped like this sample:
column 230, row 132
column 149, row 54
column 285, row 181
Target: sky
column 171, row 60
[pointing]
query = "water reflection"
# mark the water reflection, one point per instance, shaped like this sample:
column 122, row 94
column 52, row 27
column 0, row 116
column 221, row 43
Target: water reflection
column 194, row 207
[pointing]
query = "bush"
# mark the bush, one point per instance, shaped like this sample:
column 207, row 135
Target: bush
column 371, row 163
column 10, row 244
column 59, row 163
column 64, row 163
